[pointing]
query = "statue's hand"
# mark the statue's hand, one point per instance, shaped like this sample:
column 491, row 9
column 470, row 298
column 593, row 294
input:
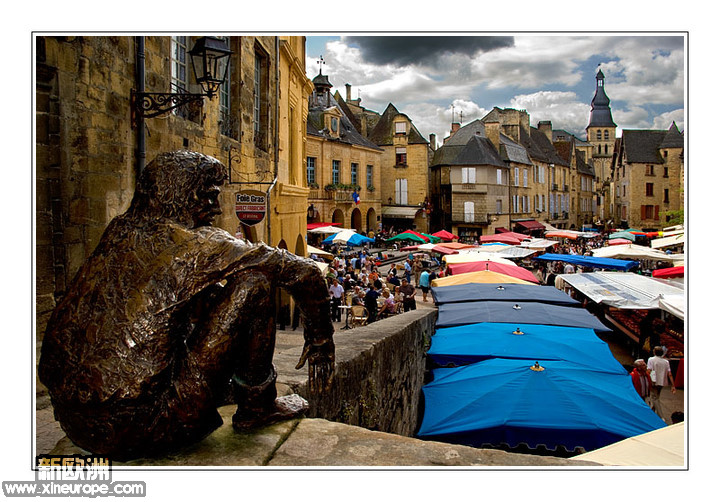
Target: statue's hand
column 321, row 365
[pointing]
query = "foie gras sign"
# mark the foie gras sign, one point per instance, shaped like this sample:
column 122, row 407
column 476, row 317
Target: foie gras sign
column 250, row 206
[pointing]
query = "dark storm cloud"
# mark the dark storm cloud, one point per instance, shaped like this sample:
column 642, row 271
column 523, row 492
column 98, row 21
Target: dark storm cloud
column 402, row 50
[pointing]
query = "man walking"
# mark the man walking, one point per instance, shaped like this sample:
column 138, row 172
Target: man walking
column 660, row 375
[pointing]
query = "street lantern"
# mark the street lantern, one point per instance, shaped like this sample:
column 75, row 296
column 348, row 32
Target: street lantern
column 210, row 57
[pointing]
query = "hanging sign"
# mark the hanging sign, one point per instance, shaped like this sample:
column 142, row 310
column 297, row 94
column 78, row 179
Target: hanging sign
column 250, row 206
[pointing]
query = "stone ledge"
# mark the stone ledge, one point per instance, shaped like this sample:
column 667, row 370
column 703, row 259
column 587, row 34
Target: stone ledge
column 315, row 442
column 318, row 442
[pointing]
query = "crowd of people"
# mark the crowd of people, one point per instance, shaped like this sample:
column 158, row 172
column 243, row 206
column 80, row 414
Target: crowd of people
column 355, row 279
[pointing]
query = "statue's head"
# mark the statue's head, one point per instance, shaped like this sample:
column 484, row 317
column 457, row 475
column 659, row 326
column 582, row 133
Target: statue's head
column 183, row 186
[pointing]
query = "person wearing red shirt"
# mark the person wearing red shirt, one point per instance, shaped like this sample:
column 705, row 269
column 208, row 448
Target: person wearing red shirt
column 641, row 380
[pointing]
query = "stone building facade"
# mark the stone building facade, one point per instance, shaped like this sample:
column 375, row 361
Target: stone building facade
column 339, row 162
column 470, row 183
column 404, row 167
column 649, row 176
column 89, row 148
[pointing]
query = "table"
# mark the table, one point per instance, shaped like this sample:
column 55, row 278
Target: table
column 346, row 308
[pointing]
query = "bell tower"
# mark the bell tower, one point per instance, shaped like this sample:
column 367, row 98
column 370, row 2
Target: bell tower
column 601, row 129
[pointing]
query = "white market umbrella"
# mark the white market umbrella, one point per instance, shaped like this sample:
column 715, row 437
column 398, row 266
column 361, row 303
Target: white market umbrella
column 664, row 242
column 471, row 257
column 630, row 252
column 328, row 230
column 659, row 448
column 318, row 252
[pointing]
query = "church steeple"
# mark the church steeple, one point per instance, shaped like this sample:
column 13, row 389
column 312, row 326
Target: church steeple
column 600, row 114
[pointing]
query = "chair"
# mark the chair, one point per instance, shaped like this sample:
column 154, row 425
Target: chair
column 358, row 315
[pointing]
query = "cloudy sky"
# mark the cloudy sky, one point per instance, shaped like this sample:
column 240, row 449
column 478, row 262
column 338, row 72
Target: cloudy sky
column 552, row 76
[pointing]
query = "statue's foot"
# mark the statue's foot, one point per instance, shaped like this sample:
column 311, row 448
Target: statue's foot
column 286, row 407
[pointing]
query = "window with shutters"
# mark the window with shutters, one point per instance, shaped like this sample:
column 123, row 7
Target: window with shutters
column 468, row 175
column 400, row 157
column 401, row 195
column 469, row 210
column 400, row 128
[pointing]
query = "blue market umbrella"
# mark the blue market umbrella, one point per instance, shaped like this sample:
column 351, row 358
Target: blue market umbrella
column 501, row 292
column 347, row 237
column 469, row 344
column 589, row 261
column 503, row 401
column 456, row 314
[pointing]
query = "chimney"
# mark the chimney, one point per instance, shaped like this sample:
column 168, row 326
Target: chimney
column 525, row 121
column 492, row 132
column 545, row 127
column 348, row 87
column 432, row 141
column 454, row 127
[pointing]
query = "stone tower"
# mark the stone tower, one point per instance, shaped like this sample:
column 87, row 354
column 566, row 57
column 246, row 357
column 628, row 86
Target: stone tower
column 601, row 135
column 601, row 129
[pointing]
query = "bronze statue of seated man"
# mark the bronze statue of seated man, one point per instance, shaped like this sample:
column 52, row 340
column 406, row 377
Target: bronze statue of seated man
column 167, row 312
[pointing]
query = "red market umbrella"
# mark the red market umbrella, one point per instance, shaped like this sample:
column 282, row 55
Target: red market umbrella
column 505, row 238
column 445, row 235
column 616, row 242
column 311, row 226
column 561, row 234
column 669, row 273
column 501, row 268
column 439, row 248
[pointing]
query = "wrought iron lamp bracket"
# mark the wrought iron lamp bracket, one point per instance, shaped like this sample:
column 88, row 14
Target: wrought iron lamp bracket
column 153, row 104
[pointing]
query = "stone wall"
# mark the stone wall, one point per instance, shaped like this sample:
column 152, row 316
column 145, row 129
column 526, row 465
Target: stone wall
column 379, row 373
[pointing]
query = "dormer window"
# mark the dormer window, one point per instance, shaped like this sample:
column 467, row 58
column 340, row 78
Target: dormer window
column 332, row 122
column 400, row 128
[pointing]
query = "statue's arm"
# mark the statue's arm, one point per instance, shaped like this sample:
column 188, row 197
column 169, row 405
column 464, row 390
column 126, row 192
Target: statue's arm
column 305, row 283
column 297, row 275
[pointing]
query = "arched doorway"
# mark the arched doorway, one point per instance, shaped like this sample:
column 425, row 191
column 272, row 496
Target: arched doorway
column 356, row 220
column 371, row 220
column 338, row 217
column 300, row 246
column 313, row 215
